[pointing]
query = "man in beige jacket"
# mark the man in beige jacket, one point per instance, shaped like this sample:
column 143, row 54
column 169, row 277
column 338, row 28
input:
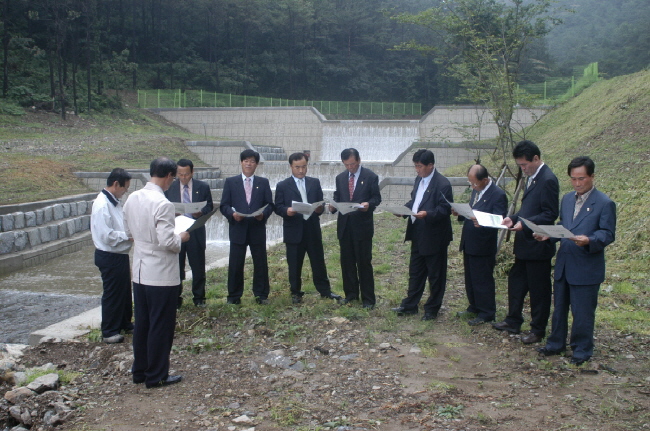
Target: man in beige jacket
column 149, row 218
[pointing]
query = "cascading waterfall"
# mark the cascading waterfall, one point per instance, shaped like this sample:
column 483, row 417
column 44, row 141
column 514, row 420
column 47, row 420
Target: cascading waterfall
column 375, row 141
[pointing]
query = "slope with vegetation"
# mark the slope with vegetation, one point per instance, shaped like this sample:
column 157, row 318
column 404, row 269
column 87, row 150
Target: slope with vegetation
column 39, row 152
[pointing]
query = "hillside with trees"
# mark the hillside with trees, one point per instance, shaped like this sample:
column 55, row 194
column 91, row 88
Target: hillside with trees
column 74, row 51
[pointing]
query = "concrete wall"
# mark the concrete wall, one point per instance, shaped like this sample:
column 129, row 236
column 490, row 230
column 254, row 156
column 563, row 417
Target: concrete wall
column 45, row 230
column 292, row 128
column 469, row 123
column 302, row 128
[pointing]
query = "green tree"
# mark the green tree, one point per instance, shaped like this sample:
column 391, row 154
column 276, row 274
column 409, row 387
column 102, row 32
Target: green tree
column 482, row 44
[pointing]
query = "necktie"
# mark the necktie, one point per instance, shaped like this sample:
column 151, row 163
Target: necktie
column 303, row 193
column 529, row 182
column 351, row 186
column 248, row 189
column 186, row 197
column 476, row 198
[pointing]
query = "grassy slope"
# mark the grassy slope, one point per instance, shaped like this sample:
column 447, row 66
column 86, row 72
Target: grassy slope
column 39, row 152
column 610, row 122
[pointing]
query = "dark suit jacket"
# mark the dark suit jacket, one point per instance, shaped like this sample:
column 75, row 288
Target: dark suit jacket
column 360, row 223
column 597, row 220
column 200, row 192
column 539, row 204
column 482, row 241
column 234, row 196
column 434, row 231
column 286, row 191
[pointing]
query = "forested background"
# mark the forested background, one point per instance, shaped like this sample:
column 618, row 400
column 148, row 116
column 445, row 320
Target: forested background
column 296, row 49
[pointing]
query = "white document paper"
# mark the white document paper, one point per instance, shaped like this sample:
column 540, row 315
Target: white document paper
column 183, row 223
column 254, row 214
column 400, row 210
column 190, row 208
column 550, row 230
column 188, row 224
column 463, row 210
column 489, row 220
column 346, row 207
column 203, row 219
column 305, row 208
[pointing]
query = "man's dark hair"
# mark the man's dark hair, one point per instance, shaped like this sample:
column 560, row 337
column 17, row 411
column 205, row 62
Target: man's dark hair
column 296, row 157
column 582, row 161
column 425, row 157
column 246, row 154
column 526, row 149
column 481, row 171
column 119, row 175
column 162, row 166
column 186, row 162
column 348, row 152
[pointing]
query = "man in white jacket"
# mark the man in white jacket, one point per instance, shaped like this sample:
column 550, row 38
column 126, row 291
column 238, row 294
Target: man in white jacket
column 149, row 218
column 112, row 247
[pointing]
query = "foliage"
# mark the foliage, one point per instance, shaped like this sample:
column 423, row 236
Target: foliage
column 450, row 412
column 482, row 43
column 10, row 108
column 615, row 34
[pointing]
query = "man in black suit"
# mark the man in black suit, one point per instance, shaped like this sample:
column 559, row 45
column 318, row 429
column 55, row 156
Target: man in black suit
column 186, row 189
column 356, row 229
column 302, row 235
column 429, row 231
column 479, row 246
column 245, row 194
column 531, row 271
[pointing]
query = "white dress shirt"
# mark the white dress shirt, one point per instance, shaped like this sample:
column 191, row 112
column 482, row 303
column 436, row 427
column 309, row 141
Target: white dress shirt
column 107, row 225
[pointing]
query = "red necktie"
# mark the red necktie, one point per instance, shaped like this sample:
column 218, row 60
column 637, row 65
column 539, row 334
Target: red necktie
column 351, row 186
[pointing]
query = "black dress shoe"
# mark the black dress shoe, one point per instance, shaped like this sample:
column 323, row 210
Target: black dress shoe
column 401, row 311
column 346, row 300
column 295, row 299
column 199, row 303
column 503, row 326
column 476, row 321
column 234, row 301
column 261, row 301
column 531, row 338
column 170, row 380
column 333, row 296
column 138, row 380
column 577, row 361
column 544, row 351
column 429, row 316
column 368, row 306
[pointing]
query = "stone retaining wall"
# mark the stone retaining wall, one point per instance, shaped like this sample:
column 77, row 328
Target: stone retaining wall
column 55, row 228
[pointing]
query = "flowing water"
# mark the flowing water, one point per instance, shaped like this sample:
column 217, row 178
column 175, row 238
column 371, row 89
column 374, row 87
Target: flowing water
column 375, row 141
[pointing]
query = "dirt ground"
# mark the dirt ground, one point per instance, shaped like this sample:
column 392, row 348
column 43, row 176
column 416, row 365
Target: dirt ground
column 332, row 373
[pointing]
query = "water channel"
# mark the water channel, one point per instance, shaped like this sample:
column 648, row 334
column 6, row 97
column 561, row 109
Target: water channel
column 36, row 297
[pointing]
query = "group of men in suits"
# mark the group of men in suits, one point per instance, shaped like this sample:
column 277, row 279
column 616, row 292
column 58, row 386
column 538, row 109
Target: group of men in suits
column 247, row 203
column 159, row 252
